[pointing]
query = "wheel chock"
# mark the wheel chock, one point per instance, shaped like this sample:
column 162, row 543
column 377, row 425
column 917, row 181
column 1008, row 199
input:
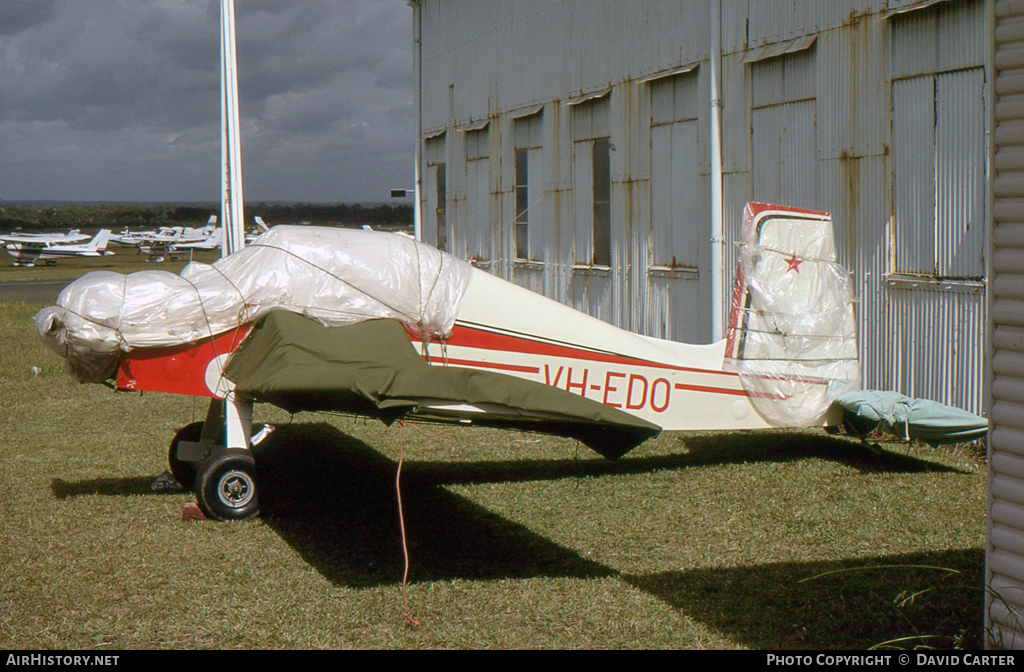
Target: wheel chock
column 190, row 511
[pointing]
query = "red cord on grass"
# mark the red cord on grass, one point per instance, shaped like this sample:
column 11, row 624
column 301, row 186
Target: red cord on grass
column 409, row 620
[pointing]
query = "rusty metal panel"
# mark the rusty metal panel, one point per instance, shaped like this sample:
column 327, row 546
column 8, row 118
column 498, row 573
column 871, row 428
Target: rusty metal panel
column 853, row 89
column 779, row 20
column 859, row 203
column 939, row 167
column 912, row 238
column 960, row 169
column 674, row 308
column 679, row 208
column 936, row 342
column 592, row 293
column 478, row 212
column 785, row 154
column 679, row 213
column 784, row 129
column 940, row 37
column 435, row 191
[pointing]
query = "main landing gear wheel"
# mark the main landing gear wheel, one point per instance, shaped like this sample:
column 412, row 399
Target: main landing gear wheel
column 226, row 487
column 184, row 472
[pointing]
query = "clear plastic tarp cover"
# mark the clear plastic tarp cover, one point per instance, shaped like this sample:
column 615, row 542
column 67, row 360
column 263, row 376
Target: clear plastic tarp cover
column 792, row 332
column 336, row 276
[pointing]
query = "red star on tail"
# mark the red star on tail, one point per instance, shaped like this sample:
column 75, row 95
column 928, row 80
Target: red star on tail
column 794, row 263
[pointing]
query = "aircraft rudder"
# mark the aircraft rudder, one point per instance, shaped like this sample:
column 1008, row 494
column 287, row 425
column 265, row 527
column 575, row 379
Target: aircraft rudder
column 99, row 242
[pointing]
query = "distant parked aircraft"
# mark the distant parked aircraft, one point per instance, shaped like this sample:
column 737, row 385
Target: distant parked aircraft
column 210, row 242
column 27, row 252
column 170, row 239
column 128, row 238
column 72, row 236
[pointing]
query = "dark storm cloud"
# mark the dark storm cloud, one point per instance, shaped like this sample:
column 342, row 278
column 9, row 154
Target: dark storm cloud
column 18, row 15
column 118, row 100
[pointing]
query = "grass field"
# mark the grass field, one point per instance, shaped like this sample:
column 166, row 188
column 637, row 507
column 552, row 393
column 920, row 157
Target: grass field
column 775, row 540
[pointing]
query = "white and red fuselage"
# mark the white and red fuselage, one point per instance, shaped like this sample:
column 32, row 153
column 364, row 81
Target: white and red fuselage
column 503, row 328
column 506, row 329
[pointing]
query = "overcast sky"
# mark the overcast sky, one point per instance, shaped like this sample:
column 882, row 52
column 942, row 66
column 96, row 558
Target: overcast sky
column 118, row 100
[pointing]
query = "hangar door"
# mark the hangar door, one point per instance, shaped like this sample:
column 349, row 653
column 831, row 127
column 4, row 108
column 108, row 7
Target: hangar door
column 783, row 130
column 679, row 213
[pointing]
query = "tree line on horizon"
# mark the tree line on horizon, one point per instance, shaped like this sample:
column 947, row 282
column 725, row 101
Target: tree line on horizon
column 30, row 217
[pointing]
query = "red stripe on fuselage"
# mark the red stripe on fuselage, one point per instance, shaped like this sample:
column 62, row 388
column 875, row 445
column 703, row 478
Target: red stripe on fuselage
column 488, row 365
column 475, row 337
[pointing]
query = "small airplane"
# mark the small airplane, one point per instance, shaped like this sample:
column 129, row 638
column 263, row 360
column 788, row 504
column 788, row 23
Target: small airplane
column 28, row 252
column 129, row 238
column 210, row 242
column 188, row 233
column 158, row 245
column 378, row 325
column 261, row 228
column 72, row 236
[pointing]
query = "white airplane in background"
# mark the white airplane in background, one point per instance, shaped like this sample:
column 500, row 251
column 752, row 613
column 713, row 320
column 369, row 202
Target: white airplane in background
column 72, row 236
column 167, row 240
column 28, row 252
column 210, row 237
column 188, row 233
column 261, row 228
column 210, row 242
column 127, row 238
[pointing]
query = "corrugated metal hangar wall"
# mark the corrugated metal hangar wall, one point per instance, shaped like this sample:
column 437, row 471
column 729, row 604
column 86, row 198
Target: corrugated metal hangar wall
column 566, row 145
column 1004, row 612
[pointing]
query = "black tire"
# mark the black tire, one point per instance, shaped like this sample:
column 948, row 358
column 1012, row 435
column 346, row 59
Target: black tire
column 184, row 472
column 226, row 487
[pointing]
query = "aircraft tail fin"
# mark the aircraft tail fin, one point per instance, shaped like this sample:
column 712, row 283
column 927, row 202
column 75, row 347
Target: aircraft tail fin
column 261, row 224
column 99, row 242
column 792, row 332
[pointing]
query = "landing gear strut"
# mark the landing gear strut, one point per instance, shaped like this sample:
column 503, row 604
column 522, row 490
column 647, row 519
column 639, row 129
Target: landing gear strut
column 214, row 459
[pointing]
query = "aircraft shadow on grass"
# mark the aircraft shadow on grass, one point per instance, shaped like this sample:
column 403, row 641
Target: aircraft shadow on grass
column 695, row 451
column 108, row 487
column 929, row 600
column 332, row 497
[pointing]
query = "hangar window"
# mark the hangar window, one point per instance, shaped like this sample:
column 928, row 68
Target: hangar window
column 678, row 203
column 938, row 154
column 528, row 189
column 478, row 193
column 437, row 188
column 592, row 180
column 783, row 126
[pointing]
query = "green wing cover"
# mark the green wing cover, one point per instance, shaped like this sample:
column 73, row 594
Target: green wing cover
column 371, row 368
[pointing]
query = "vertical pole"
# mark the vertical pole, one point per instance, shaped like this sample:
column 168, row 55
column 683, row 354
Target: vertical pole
column 717, row 226
column 417, row 63
column 232, row 215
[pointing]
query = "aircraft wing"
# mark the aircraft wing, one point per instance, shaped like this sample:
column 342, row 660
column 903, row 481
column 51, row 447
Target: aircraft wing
column 372, row 369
